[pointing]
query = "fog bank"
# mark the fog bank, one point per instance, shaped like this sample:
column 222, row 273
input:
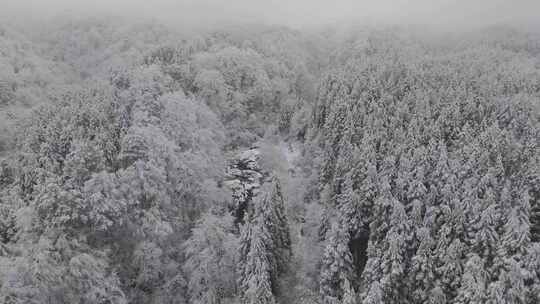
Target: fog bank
column 295, row 13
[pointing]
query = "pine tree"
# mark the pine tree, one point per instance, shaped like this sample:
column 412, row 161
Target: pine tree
column 448, row 261
column 394, row 260
column 244, row 246
column 486, row 236
column 349, row 295
column 266, row 234
column 422, row 276
column 509, row 264
column 280, row 226
column 516, row 230
column 265, row 217
column 256, row 270
column 474, row 283
column 531, row 265
column 374, row 294
column 337, row 266
column 348, row 206
column 367, row 193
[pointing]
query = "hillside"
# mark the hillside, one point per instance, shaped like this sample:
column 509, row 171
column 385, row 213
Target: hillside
column 263, row 164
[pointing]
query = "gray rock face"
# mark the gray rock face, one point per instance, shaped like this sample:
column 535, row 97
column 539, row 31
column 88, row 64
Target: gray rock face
column 244, row 178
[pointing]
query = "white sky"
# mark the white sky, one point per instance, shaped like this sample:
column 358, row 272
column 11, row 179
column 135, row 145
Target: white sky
column 460, row 13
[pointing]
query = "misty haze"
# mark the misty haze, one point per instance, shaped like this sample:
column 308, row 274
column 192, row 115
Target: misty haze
column 269, row 152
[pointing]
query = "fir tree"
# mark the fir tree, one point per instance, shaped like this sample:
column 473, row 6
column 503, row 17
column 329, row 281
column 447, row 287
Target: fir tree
column 272, row 241
column 280, row 230
column 474, row 283
column 422, row 276
column 348, row 206
column 394, row 260
column 256, row 272
column 349, row 295
column 337, row 266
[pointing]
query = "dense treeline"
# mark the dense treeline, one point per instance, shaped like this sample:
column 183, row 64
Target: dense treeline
column 268, row 165
column 433, row 157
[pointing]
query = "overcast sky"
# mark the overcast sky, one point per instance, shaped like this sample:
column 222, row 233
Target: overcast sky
column 291, row 12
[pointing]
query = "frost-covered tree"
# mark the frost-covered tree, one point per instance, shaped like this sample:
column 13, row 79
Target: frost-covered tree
column 256, row 268
column 337, row 268
column 211, row 260
column 269, row 218
column 349, row 296
column 475, row 281
column 279, row 226
column 114, row 138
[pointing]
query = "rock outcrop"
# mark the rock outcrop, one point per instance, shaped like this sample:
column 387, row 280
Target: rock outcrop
column 245, row 178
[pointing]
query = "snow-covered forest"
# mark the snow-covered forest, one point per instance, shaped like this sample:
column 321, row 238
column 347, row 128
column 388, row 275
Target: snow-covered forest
column 264, row 164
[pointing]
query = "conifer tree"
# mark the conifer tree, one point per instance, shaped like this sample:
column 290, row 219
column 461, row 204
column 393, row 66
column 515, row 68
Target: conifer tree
column 509, row 263
column 265, row 217
column 349, row 296
column 266, row 234
column 280, row 230
column 348, row 205
column 337, row 266
column 474, row 283
column 256, row 271
column 394, row 260
column 422, row 276
column 374, row 294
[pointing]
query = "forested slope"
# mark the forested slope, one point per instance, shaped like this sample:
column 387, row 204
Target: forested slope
column 433, row 157
column 259, row 164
